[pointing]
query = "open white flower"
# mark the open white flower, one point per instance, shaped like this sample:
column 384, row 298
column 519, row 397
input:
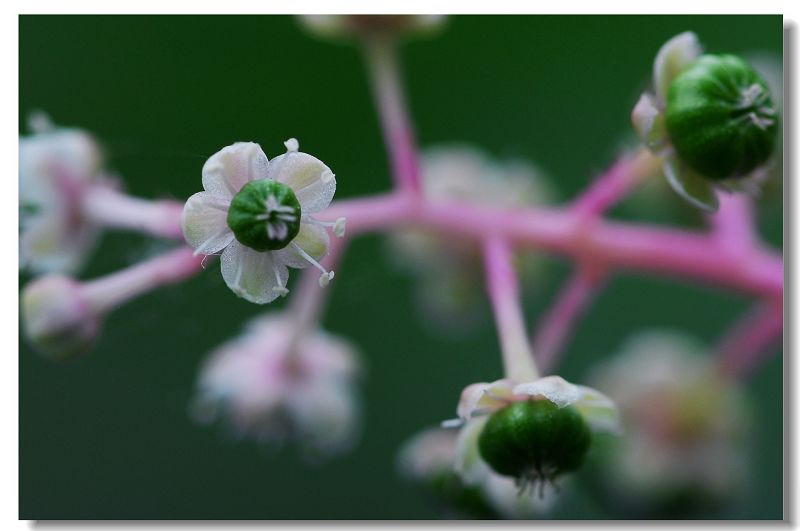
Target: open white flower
column 273, row 387
column 259, row 215
column 56, row 166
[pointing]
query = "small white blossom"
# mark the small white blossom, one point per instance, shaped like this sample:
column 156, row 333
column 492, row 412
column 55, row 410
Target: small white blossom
column 685, row 425
column 56, row 166
column 273, row 387
column 260, row 276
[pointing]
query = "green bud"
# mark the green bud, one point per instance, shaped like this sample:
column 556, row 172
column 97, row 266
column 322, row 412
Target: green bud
column 535, row 440
column 265, row 215
column 720, row 117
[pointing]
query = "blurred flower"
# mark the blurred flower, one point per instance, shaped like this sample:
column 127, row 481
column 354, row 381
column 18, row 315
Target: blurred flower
column 429, row 458
column 449, row 269
column 345, row 26
column 273, row 385
column 259, row 215
column 684, row 425
column 531, row 446
column 59, row 316
column 712, row 119
column 56, row 167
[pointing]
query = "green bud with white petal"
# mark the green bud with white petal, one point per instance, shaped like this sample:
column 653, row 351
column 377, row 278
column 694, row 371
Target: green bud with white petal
column 720, row 117
column 265, row 215
column 535, row 441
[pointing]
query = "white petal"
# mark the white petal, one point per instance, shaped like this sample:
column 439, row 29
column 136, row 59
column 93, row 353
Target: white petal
column 227, row 170
column 481, row 398
column 311, row 180
column 554, row 388
column 313, row 239
column 52, row 244
column 649, row 123
column 468, row 463
column 673, row 57
column 688, row 184
column 205, row 223
column 598, row 410
column 252, row 274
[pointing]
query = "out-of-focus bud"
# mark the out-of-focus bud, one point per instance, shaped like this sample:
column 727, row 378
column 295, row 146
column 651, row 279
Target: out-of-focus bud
column 684, row 450
column 348, row 26
column 59, row 319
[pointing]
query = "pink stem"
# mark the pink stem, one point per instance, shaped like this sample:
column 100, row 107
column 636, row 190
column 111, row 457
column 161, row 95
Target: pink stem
column 111, row 208
column 601, row 244
column 615, row 184
column 381, row 57
column 110, row 291
column 572, row 301
column 503, row 289
column 750, row 339
column 733, row 225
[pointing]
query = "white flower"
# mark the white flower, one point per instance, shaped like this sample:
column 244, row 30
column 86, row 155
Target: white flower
column 430, row 456
column 258, row 214
column 685, row 425
column 272, row 386
column 448, row 269
column 56, row 166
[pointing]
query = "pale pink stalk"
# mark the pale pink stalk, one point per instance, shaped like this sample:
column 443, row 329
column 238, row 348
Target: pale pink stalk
column 108, row 207
column 615, row 184
column 601, row 244
column 106, row 293
column 554, row 328
column 503, row 289
column 733, row 226
column 751, row 339
column 387, row 87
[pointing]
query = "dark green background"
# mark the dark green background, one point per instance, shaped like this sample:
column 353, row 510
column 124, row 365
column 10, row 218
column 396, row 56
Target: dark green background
column 109, row 436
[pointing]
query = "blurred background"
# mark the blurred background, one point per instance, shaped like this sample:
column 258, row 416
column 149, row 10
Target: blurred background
column 109, row 436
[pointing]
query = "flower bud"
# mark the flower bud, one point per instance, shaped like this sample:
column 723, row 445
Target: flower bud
column 535, row 440
column 342, row 26
column 720, row 117
column 58, row 319
column 265, row 215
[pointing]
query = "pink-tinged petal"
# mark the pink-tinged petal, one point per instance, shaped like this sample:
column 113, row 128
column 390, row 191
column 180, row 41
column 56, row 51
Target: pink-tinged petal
column 312, row 239
column 252, row 275
column 598, row 410
column 311, row 180
column 482, row 398
column 688, row 184
column 204, row 223
column 52, row 244
column 673, row 57
column 468, row 463
column 227, row 170
column 553, row 388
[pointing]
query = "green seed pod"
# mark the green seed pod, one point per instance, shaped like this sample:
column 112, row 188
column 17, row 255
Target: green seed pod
column 720, row 117
column 535, row 440
column 265, row 215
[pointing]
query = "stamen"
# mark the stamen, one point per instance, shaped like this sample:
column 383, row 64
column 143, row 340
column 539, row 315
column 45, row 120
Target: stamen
column 279, row 289
column 292, row 145
column 326, row 276
column 452, row 423
column 339, row 226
